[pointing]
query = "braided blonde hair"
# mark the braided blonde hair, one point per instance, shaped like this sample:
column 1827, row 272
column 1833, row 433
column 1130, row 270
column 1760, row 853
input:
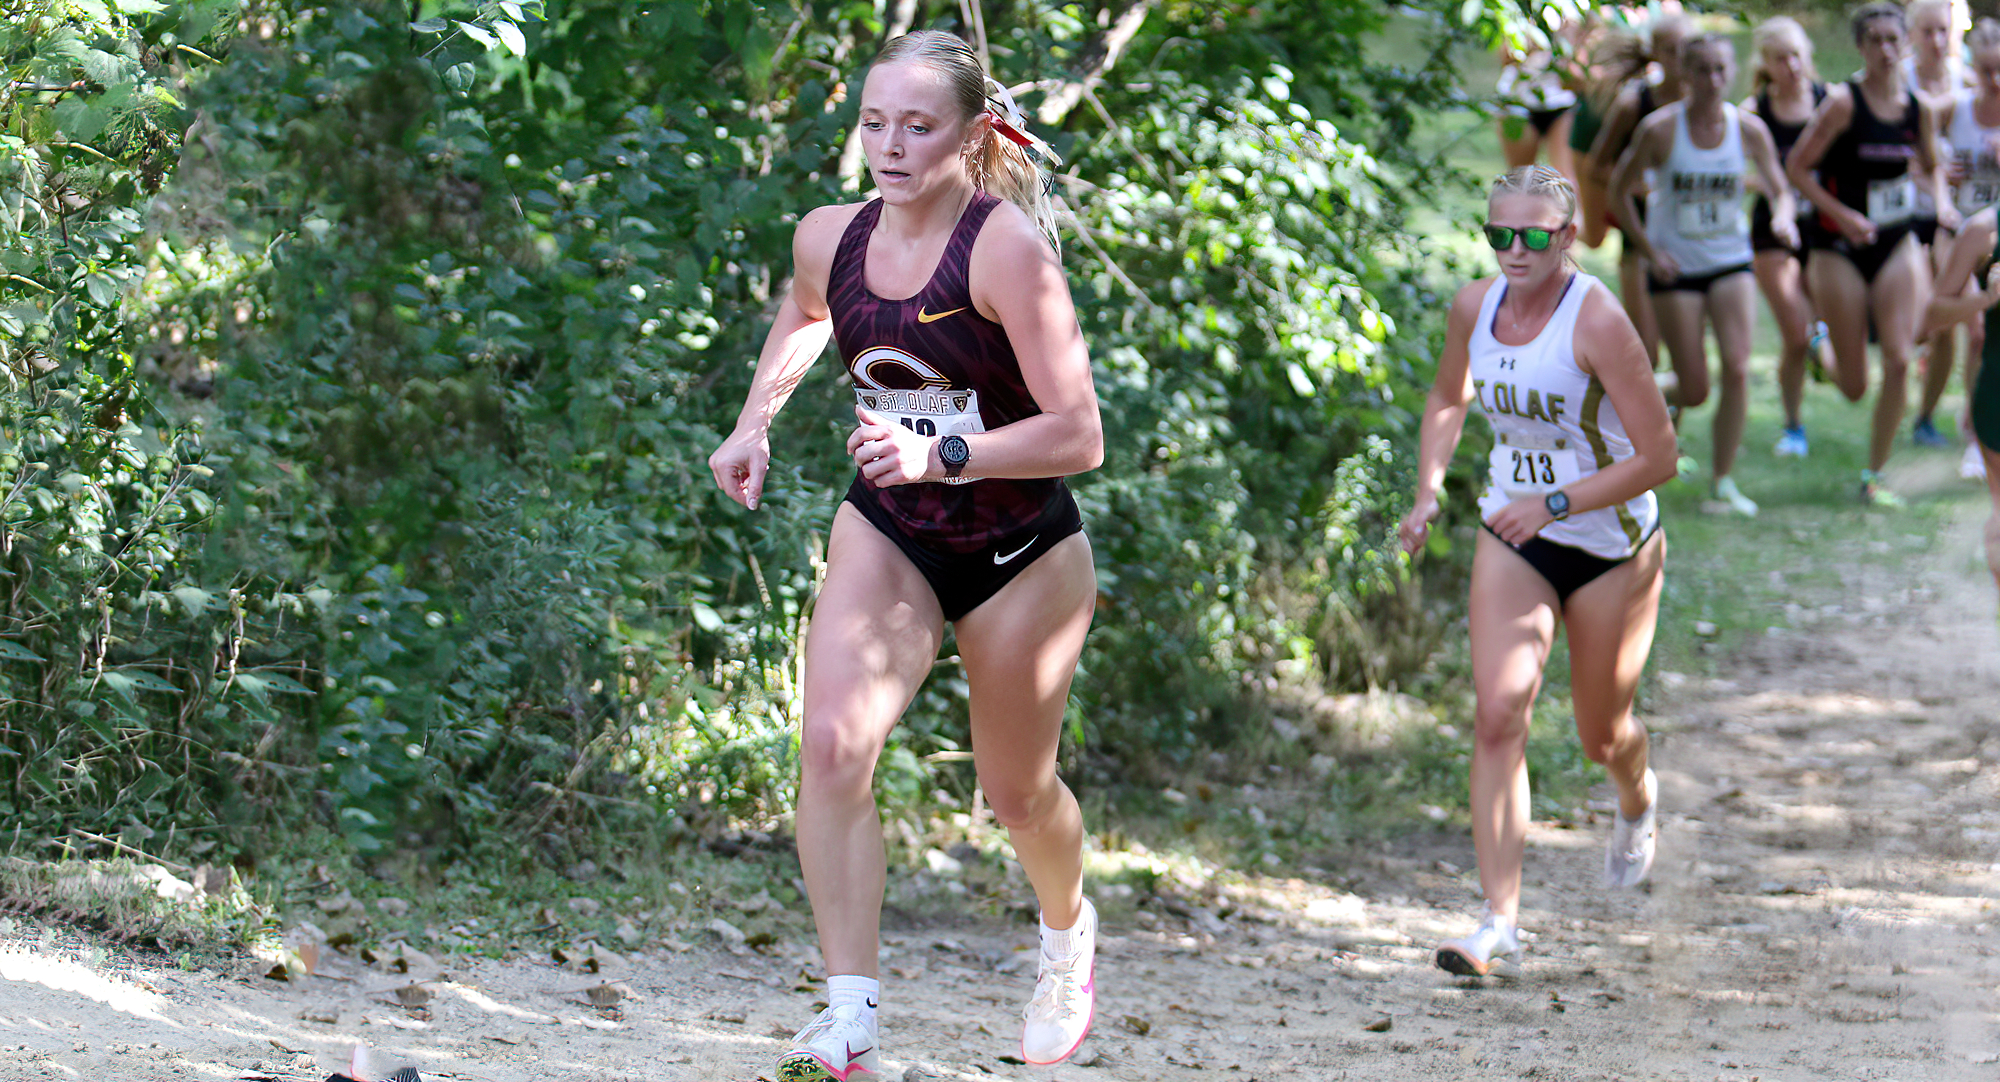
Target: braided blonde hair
column 1008, row 162
column 1544, row 183
column 1541, row 182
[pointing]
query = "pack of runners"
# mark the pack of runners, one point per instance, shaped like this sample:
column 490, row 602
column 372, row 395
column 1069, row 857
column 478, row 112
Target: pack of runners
column 1873, row 219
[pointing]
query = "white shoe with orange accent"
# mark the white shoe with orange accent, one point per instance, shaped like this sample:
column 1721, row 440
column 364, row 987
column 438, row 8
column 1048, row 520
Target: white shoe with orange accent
column 837, row 1047
column 1058, row 1018
column 1476, row 955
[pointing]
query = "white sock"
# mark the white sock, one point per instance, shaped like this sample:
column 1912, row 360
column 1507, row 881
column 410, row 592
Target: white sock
column 1064, row 942
column 863, row 992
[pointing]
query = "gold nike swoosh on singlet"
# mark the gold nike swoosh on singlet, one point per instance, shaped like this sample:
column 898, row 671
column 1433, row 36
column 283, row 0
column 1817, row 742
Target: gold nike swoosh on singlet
column 926, row 317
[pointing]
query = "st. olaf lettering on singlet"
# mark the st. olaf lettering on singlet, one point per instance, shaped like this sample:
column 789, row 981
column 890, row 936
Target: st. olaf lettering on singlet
column 1507, row 398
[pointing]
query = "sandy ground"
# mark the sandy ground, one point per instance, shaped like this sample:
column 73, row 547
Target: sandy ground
column 1824, row 908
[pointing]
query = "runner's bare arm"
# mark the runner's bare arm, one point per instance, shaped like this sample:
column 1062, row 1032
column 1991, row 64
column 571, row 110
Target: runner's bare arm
column 1770, row 175
column 1745, row 108
column 1828, row 123
column 1971, row 249
column 1608, row 348
column 1933, row 175
column 1649, row 149
column 797, row 337
column 1619, row 121
column 1444, row 413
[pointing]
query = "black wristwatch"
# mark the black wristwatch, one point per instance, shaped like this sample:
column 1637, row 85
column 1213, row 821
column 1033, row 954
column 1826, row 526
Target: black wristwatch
column 954, row 453
column 1558, row 503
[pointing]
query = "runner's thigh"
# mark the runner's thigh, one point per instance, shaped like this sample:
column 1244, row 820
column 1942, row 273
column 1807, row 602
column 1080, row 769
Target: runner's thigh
column 1513, row 622
column 875, row 631
column 1611, row 622
column 1020, row 650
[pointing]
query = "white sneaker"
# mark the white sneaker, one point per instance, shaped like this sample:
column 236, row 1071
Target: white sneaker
column 1629, row 858
column 837, row 1047
column 1474, row 955
column 1059, row 1016
column 1973, row 466
column 1728, row 499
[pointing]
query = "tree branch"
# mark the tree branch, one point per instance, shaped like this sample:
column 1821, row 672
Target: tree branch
column 1094, row 60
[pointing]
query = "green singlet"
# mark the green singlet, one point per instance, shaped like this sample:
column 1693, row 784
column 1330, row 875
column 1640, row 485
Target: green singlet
column 1986, row 393
column 1584, row 122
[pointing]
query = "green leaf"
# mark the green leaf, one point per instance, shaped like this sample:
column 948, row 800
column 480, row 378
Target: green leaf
column 459, row 77
column 510, row 34
column 140, row 7
column 431, row 26
column 194, row 599
column 14, row 651
column 143, row 680
column 283, row 685
column 707, row 618
column 477, row 33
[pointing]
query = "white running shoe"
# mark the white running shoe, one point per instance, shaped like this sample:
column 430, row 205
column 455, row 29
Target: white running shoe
column 1059, row 1016
column 1973, row 466
column 1629, row 858
column 1730, row 500
column 837, row 1047
column 1474, row 955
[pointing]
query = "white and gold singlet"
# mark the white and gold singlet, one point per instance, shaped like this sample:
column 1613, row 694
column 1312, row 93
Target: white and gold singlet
column 1553, row 425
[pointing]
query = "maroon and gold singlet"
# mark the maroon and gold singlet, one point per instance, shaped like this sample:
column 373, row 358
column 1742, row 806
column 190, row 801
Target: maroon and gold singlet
column 932, row 363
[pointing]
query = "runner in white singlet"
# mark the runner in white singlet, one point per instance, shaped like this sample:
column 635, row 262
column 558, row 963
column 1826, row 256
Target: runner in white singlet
column 1697, row 239
column 1571, row 533
column 1933, row 69
column 1971, row 127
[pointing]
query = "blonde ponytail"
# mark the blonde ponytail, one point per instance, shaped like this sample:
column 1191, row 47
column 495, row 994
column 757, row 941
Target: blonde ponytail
column 1007, row 161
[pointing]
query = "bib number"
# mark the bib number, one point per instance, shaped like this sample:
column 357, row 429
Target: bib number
column 928, row 412
column 1528, row 466
column 1891, row 202
column 1701, row 219
column 1979, row 191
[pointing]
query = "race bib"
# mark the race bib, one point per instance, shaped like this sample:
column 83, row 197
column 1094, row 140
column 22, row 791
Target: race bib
column 1979, row 190
column 1891, row 201
column 1522, row 465
column 928, row 411
column 1703, row 218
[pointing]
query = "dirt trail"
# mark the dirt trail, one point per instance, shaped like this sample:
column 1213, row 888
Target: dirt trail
column 1825, row 908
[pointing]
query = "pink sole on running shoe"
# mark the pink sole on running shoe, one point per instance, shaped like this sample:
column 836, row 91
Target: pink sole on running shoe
column 1088, row 986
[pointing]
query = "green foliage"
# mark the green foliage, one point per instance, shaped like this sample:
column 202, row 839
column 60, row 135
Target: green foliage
column 366, row 359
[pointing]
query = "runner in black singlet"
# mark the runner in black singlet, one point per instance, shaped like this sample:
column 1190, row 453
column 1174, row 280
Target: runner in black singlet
column 973, row 398
column 1859, row 162
column 1971, row 255
column 1788, row 90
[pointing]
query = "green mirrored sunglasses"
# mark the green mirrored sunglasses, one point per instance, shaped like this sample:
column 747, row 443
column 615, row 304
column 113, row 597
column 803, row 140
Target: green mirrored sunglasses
column 1501, row 237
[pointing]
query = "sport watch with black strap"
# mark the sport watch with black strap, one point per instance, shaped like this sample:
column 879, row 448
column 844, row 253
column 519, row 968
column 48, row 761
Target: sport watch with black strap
column 954, row 453
column 1557, row 503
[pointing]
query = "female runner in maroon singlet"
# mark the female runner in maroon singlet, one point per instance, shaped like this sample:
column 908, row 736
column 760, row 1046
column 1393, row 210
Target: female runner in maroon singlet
column 973, row 398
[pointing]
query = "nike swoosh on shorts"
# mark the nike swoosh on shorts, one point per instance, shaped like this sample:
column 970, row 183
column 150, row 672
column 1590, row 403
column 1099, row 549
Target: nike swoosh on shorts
column 999, row 559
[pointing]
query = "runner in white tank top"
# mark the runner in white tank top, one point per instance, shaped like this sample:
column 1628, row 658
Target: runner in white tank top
column 1932, row 68
column 1971, row 126
column 1698, row 241
column 1570, row 535
column 1695, row 214
column 1553, row 427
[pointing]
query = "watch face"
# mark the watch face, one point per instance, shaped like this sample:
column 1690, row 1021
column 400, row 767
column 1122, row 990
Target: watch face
column 1558, row 503
column 954, row 450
